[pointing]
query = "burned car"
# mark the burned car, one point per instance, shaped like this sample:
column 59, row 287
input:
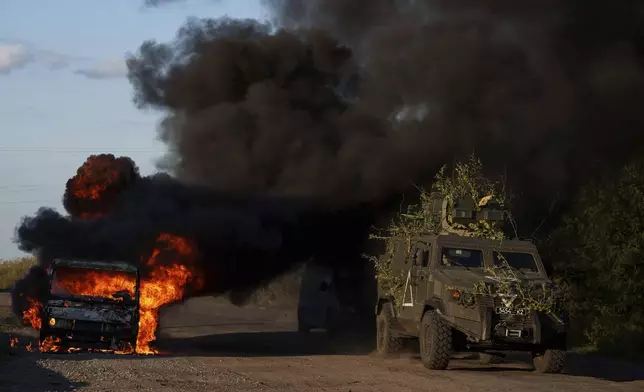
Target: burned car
column 91, row 305
column 442, row 307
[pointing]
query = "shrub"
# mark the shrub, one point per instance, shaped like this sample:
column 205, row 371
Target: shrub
column 12, row 270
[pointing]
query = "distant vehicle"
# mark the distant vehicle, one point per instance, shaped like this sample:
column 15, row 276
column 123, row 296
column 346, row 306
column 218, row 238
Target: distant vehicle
column 439, row 309
column 318, row 303
column 78, row 318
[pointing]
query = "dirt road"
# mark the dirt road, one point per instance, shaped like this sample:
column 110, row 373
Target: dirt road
column 212, row 346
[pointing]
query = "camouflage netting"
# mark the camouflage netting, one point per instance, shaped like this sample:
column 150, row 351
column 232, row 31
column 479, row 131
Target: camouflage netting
column 467, row 183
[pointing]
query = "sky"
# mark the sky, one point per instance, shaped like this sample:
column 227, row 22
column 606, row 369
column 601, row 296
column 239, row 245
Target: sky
column 64, row 93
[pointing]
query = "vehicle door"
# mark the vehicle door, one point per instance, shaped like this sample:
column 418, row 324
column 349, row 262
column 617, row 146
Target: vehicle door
column 418, row 282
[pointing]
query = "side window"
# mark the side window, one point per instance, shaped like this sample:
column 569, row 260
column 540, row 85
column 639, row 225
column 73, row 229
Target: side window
column 425, row 258
column 421, row 256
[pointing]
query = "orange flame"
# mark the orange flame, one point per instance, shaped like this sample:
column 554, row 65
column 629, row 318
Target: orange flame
column 50, row 345
column 33, row 314
column 171, row 267
column 13, row 342
column 163, row 285
column 95, row 283
column 94, row 177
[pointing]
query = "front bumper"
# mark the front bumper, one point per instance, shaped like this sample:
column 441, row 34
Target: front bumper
column 89, row 335
column 523, row 332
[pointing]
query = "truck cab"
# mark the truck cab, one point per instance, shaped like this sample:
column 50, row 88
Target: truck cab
column 91, row 305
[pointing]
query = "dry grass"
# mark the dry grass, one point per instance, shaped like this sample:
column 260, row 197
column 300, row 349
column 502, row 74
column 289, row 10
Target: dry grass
column 284, row 290
column 12, row 270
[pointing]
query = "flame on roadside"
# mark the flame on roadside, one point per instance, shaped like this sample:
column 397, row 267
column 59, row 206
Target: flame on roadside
column 13, row 342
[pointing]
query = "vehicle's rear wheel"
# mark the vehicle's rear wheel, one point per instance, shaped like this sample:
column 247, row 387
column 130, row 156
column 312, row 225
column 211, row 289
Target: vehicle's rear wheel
column 386, row 342
column 549, row 361
column 489, row 359
column 435, row 341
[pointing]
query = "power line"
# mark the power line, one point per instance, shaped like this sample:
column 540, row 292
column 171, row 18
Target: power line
column 28, row 202
column 23, row 186
column 79, row 150
column 28, row 186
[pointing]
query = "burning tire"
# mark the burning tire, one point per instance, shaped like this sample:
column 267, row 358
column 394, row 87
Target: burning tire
column 386, row 343
column 435, row 341
column 549, row 361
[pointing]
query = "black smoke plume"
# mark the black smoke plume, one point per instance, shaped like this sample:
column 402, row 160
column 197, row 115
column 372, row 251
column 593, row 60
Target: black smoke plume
column 354, row 100
column 348, row 104
column 115, row 214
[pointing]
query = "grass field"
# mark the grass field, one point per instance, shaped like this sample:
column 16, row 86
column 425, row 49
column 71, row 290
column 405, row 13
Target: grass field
column 12, row 270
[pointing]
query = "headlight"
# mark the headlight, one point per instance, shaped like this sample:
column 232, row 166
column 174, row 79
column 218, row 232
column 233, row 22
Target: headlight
column 52, row 322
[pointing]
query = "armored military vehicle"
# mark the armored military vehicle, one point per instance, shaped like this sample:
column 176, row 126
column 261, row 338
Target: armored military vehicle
column 81, row 314
column 443, row 310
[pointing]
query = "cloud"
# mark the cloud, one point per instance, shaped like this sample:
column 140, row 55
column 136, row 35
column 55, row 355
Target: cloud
column 52, row 60
column 16, row 55
column 105, row 69
column 13, row 56
column 157, row 3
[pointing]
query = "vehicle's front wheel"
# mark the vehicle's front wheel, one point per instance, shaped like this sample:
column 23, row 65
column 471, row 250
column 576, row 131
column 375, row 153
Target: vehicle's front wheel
column 386, row 342
column 549, row 361
column 435, row 341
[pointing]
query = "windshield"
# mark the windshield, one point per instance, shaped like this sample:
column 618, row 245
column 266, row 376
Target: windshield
column 72, row 281
column 521, row 261
column 462, row 258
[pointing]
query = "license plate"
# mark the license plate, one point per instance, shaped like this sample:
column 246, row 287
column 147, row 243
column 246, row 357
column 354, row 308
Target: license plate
column 512, row 311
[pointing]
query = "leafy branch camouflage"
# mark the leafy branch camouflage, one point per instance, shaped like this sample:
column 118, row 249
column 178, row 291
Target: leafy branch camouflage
column 542, row 297
column 466, row 182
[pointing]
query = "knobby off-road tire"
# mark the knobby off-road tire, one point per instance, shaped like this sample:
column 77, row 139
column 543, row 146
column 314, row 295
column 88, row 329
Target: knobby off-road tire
column 387, row 344
column 435, row 341
column 550, row 361
column 488, row 359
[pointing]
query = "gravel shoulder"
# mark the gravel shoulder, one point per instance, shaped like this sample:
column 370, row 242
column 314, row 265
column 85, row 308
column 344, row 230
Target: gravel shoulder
column 210, row 345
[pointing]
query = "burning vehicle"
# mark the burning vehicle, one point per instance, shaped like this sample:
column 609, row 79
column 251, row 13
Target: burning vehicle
column 83, row 310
